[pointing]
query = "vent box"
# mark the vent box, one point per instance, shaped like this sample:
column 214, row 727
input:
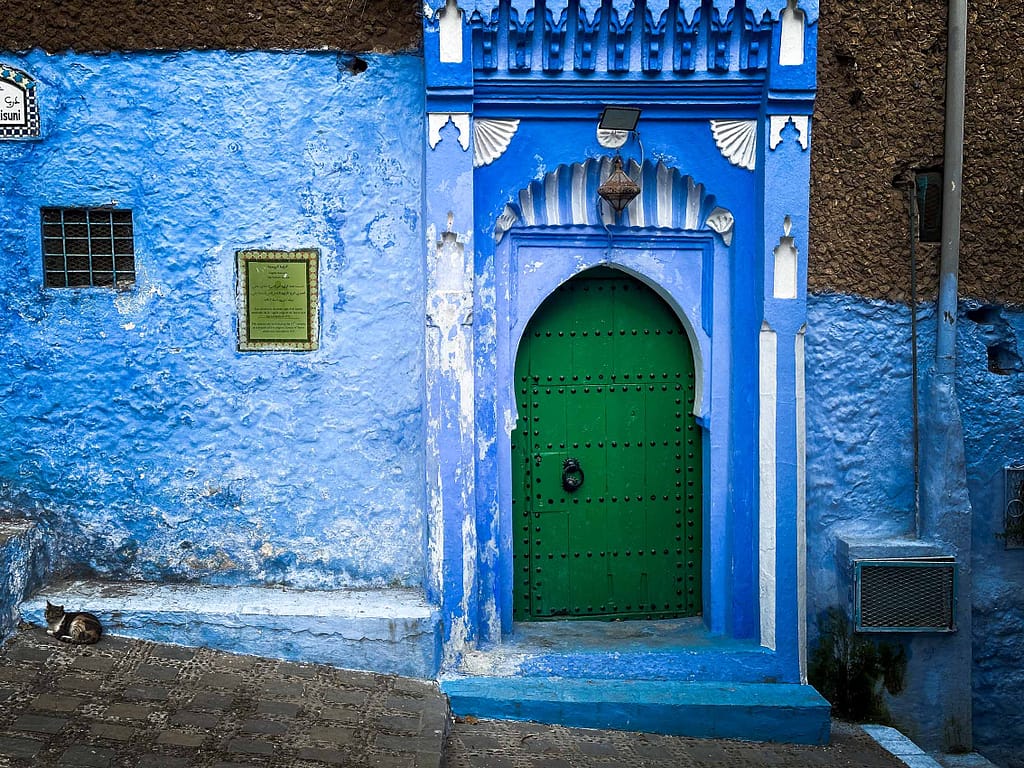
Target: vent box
column 905, row 595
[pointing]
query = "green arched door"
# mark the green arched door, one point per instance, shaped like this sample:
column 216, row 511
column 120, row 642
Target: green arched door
column 606, row 457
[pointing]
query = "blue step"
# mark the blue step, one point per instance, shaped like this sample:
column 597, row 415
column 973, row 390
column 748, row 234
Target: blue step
column 776, row 712
column 392, row 631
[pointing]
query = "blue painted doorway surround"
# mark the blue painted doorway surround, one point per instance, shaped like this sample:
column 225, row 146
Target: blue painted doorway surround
column 513, row 161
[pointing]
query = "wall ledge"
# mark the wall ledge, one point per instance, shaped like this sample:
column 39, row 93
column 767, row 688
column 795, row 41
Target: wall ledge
column 392, row 631
column 865, row 548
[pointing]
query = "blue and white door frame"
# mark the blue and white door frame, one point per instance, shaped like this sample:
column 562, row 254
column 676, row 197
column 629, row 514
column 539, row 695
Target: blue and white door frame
column 513, row 160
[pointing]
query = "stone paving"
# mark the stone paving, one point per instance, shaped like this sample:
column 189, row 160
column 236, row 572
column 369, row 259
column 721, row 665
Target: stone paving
column 491, row 744
column 132, row 704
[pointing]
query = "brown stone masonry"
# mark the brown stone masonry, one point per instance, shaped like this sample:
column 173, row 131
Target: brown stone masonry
column 134, row 25
column 879, row 116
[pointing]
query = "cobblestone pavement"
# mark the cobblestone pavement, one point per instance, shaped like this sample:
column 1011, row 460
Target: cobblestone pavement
column 132, row 704
column 490, row 744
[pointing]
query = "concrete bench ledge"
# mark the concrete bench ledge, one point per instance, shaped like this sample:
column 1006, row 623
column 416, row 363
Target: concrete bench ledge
column 751, row 711
column 392, row 631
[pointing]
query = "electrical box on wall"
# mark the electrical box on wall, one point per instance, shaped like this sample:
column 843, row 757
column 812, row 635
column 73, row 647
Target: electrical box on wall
column 905, row 595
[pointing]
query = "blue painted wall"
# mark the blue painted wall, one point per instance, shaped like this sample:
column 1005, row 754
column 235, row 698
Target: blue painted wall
column 860, row 477
column 24, row 565
column 129, row 419
column 860, row 485
column 153, row 449
column 992, row 409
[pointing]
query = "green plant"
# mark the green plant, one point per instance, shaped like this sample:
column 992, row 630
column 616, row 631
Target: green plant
column 853, row 671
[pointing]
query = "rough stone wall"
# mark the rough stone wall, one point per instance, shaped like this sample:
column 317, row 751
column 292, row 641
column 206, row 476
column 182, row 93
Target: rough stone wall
column 993, row 215
column 128, row 25
column 128, row 419
column 991, row 405
column 860, row 486
column 860, row 472
column 879, row 116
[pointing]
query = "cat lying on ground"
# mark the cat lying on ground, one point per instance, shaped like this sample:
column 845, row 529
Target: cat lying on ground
column 76, row 627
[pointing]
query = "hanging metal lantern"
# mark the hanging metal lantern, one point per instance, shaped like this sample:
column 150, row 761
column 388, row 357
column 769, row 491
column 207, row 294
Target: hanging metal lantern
column 618, row 189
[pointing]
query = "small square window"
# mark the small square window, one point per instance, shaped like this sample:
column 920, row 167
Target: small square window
column 88, row 247
column 929, row 206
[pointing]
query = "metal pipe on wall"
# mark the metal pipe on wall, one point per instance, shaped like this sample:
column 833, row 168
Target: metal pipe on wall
column 945, row 516
column 915, row 401
column 953, row 162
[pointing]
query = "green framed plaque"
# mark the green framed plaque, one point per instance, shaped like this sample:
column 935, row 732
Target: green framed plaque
column 278, row 300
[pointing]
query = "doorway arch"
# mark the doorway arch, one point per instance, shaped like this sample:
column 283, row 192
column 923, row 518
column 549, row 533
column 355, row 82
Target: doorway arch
column 678, row 242
column 606, row 457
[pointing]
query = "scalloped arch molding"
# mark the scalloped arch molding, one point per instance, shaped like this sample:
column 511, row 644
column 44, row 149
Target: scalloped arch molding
column 568, row 196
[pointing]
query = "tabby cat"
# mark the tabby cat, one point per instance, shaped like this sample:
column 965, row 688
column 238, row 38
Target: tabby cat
column 77, row 627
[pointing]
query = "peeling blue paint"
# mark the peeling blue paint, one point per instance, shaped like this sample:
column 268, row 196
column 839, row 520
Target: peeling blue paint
column 128, row 420
column 25, row 560
column 860, row 475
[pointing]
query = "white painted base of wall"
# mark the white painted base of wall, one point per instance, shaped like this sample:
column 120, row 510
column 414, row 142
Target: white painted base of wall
column 382, row 630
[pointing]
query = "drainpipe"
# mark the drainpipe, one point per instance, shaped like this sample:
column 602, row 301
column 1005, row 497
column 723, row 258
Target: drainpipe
column 945, row 516
column 952, row 171
column 915, row 399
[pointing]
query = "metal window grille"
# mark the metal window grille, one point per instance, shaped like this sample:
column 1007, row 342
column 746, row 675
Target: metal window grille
column 906, row 595
column 1013, row 507
column 88, row 247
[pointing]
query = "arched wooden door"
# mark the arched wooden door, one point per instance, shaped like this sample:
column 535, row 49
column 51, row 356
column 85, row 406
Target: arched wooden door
column 606, row 457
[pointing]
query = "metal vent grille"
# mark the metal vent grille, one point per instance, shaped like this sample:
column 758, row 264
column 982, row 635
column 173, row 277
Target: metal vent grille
column 88, row 247
column 912, row 595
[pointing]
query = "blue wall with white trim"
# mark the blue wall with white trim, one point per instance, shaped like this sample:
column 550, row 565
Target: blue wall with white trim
column 154, row 450
column 128, row 418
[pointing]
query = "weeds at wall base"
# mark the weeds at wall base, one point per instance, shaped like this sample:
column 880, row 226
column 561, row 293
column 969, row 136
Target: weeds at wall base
column 854, row 672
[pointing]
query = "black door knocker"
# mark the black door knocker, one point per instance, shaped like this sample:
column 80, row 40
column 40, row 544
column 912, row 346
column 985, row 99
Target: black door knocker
column 572, row 475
